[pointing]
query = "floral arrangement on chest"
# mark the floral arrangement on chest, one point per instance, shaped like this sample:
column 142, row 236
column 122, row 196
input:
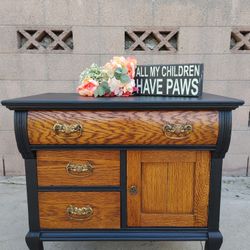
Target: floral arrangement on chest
column 115, row 78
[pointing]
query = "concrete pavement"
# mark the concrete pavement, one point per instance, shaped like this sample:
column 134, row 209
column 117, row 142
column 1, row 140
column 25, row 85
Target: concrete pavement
column 235, row 221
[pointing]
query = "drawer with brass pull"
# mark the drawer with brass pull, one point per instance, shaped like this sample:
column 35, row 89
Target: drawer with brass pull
column 79, row 210
column 78, row 168
column 131, row 127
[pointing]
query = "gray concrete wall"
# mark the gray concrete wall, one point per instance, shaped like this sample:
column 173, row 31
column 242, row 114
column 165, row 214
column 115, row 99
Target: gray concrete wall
column 98, row 33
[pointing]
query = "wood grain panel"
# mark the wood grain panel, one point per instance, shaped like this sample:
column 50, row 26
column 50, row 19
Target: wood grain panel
column 51, row 168
column 171, row 193
column 180, row 187
column 173, row 190
column 53, row 206
column 167, row 156
column 202, row 175
column 131, row 127
column 133, row 200
column 154, row 195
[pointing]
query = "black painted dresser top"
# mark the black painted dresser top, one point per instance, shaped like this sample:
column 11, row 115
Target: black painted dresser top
column 75, row 101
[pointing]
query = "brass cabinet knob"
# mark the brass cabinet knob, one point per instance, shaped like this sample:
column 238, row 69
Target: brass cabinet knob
column 63, row 130
column 81, row 170
column 79, row 213
column 177, row 130
column 133, row 189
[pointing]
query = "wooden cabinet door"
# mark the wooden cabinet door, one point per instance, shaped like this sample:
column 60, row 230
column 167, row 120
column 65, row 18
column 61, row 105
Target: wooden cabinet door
column 167, row 188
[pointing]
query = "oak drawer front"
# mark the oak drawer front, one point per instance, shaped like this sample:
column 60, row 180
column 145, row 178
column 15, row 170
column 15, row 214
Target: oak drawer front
column 78, row 168
column 79, row 210
column 131, row 127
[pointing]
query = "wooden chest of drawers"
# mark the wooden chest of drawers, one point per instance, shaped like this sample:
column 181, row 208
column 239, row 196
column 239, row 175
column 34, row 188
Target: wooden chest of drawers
column 137, row 168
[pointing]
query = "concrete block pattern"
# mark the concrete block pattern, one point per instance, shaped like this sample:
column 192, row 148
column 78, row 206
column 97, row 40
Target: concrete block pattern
column 68, row 67
column 241, row 118
column 204, row 40
column 69, row 12
column 32, row 39
column 21, row 12
column 201, row 13
column 98, row 40
column 240, row 13
column 8, row 42
column 240, row 40
column 8, row 143
column 152, row 39
column 23, row 66
column 216, row 67
column 240, row 143
column 126, row 13
column 236, row 89
column 235, row 164
column 118, row 13
column 6, row 119
column 14, row 89
column 180, row 13
column 219, row 13
column 14, row 164
column 44, row 67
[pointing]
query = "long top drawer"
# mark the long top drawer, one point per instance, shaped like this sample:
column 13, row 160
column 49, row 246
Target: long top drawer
column 123, row 127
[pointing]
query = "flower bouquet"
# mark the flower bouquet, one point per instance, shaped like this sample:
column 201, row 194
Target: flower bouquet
column 115, row 78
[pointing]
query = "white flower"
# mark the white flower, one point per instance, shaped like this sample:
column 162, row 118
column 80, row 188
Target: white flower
column 119, row 88
column 129, row 86
column 115, row 86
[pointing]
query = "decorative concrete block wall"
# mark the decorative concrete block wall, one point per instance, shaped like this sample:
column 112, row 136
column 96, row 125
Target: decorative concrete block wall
column 46, row 44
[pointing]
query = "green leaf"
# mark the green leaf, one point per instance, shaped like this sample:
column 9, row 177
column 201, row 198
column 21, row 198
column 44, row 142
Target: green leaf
column 104, row 85
column 124, row 78
column 117, row 76
column 101, row 91
column 124, row 71
column 118, row 70
column 118, row 73
column 96, row 92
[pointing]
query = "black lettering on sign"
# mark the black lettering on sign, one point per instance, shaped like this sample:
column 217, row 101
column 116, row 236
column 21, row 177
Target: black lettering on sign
column 169, row 80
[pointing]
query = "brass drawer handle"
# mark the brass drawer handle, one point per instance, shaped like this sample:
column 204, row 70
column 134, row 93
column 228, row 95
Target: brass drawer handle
column 79, row 213
column 177, row 131
column 81, row 170
column 70, row 131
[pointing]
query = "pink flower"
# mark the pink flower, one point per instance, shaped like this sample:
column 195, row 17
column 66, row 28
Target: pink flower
column 131, row 65
column 88, row 87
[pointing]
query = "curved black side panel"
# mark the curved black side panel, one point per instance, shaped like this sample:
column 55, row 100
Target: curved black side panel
column 21, row 133
column 33, row 241
column 225, row 119
column 225, row 127
column 214, row 241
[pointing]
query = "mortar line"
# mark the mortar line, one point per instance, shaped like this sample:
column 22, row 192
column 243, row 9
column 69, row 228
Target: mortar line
column 125, row 25
column 124, row 53
column 70, row 80
column 4, row 169
column 247, row 169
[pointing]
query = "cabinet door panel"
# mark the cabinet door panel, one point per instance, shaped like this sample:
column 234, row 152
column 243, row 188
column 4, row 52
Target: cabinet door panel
column 172, row 188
